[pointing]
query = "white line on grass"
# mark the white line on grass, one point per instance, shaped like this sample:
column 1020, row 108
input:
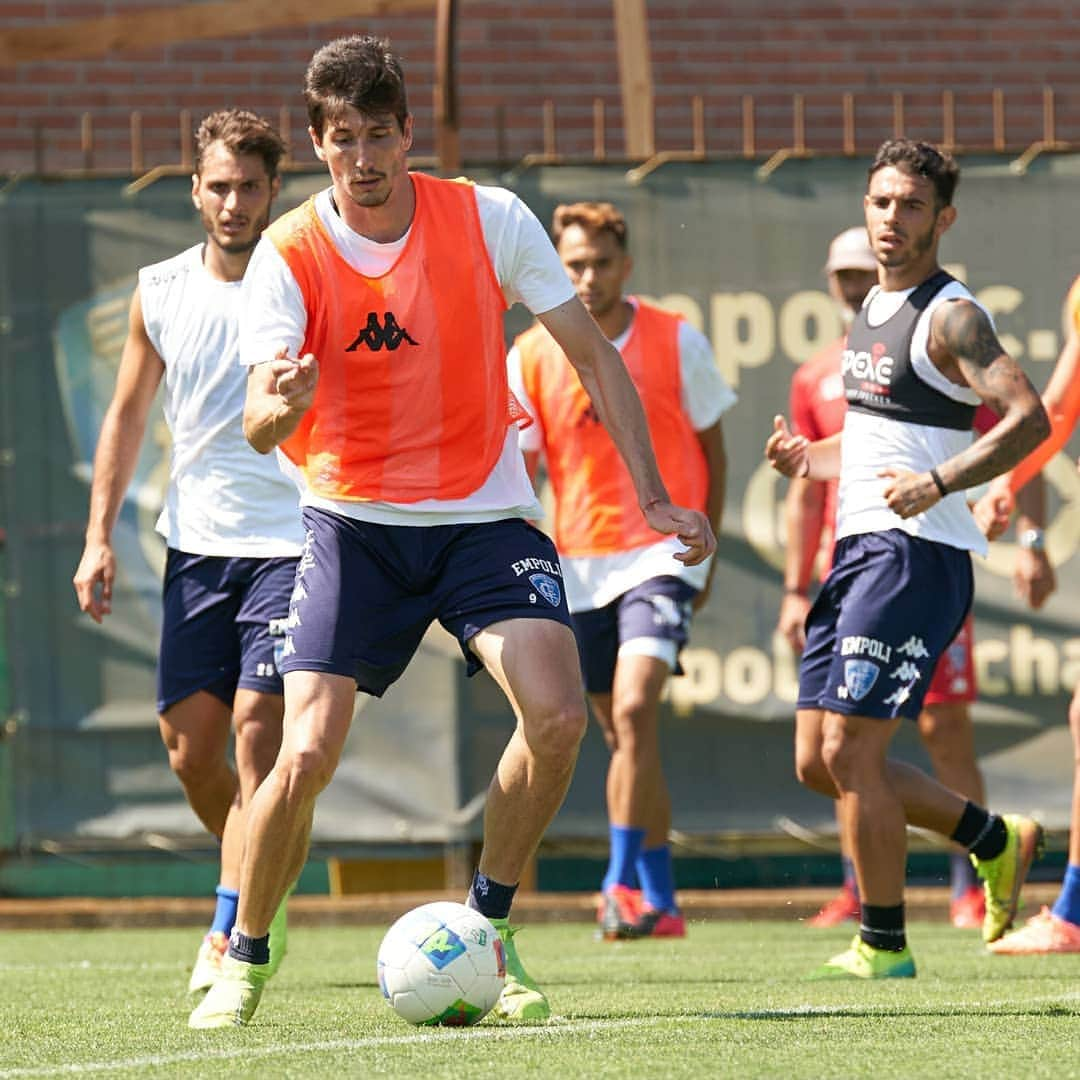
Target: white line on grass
column 493, row 1033
column 86, row 965
column 443, row 1035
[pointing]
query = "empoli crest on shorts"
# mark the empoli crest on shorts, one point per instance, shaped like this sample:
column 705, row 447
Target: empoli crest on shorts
column 859, row 677
column 547, row 587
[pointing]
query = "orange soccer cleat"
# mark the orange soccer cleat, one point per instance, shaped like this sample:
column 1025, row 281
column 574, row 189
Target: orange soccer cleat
column 841, row 908
column 1043, row 934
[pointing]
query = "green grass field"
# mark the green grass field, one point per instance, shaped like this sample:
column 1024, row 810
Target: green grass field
column 729, row 1000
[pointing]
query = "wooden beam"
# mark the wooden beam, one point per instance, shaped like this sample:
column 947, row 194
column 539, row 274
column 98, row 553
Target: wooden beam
column 635, row 76
column 81, row 38
column 447, row 140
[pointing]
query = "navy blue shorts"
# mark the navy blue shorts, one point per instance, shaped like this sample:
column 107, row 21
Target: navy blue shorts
column 659, row 608
column 221, row 619
column 887, row 611
column 366, row 593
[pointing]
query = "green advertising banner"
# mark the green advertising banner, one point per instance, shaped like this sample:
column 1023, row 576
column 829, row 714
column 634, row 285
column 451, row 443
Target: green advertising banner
column 741, row 257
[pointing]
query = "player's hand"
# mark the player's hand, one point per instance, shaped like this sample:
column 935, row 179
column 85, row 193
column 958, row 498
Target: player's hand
column 93, row 580
column 690, row 526
column 792, row 621
column 909, row 493
column 994, row 510
column 1033, row 577
column 295, row 379
column 788, row 454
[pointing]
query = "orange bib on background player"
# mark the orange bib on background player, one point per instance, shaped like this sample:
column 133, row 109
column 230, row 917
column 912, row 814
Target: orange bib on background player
column 596, row 506
column 412, row 401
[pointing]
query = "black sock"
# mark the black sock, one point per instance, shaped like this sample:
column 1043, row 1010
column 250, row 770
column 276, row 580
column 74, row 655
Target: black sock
column 981, row 832
column 252, row 950
column 883, row 927
column 490, row 897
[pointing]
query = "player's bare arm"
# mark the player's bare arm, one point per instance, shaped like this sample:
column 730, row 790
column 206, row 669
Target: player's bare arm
column 963, row 330
column 966, row 349
column 117, row 451
column 804, row 516
column 613, row 395
column 278, row 395
column 1034, row 580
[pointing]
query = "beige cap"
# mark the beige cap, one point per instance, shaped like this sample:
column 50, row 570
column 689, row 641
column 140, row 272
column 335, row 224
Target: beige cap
column 851, row 251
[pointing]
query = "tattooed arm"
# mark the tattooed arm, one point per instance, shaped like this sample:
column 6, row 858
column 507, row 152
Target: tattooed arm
column 962, row 340
column 966, row 350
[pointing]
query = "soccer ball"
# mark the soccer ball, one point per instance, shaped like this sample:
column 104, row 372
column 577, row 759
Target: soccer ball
column 442, row 963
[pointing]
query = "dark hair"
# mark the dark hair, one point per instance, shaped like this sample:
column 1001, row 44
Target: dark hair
column 360, row 71
column 240, row 132
column 593, row 217
column 920, row 159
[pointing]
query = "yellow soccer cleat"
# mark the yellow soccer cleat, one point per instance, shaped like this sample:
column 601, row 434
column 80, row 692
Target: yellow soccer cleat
column 862, row 961
column 232, row 1000
column 521, row 998
column 1004, row 874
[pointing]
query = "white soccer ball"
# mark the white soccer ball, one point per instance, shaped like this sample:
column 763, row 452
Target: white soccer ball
column 442, row 963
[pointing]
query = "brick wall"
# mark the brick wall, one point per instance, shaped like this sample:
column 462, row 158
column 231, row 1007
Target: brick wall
column 514, row 56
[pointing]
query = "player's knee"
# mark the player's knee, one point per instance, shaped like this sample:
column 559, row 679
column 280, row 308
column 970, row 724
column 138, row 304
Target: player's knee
column 811, row 773
column 841, row 759
column 633, row 713
column 194, row 762
column 258, row 739
column 306, row 770
column 557, row 729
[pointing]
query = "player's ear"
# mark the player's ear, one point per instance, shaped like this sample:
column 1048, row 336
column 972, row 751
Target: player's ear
column 946, row 216
column 195, row 197
column 406, row 133
column 316, row 143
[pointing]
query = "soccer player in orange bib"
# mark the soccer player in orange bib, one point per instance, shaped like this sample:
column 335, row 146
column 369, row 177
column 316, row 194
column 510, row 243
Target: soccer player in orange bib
column 1055, row 929
column 631, row 602
column 372, row 328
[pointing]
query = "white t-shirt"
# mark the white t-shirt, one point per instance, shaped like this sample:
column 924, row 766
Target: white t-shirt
column 223, row 498
column 871, row 443
column 526, row 267
column 594, row 581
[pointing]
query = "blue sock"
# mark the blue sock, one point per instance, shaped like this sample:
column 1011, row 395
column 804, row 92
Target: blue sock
column 1067, row 906
column 962, row 874
column 657, row 876
column 225, row 912
column 625, row 847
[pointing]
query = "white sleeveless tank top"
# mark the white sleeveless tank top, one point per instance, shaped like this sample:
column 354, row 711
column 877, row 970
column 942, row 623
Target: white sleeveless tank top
column 871, row 443
column 223, row 498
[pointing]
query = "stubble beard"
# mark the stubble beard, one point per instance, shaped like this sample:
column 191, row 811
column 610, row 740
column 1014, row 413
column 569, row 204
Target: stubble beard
column 237, row 245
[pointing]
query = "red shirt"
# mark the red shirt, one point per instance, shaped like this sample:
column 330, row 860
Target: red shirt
column 817, row 411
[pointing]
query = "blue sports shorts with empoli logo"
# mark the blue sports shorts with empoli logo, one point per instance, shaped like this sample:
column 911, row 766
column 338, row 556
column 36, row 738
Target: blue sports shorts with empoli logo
column 366, row 592
column 888, row 609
